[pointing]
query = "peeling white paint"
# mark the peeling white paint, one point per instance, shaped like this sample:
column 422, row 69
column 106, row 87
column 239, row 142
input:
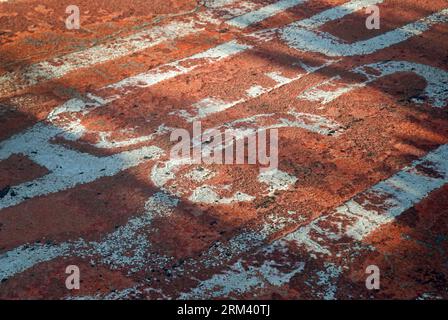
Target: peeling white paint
column 331, row 92
column 291, row 119
column 211, row 105
column 301, row 38
column 204, row 108
column 390, row 198
column 207, row 194
column 182, row 66
column 129, row 246
column 436, row 82
column 106, row 142
column 335, row 13
column 400, row 191
column 240, row 279
column 263, row 13
column 327, row 279
column 58, row 67
column 125, row 247
column 276, row 180
column 256, row 91
column 27, row 256
column 68, row 168
column 315, row 21
column 200, row 174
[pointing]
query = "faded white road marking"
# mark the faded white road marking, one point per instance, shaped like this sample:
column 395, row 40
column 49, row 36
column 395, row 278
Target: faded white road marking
column 239, row 244
column 276, row 180
column 302, row 38
column 319, row 19
column 240, row 279
column 68, row 168
column 164, row 172
column 61, row 66
column 378, row 205
column 58, row 67
column 207, row 194
column 436, row 82
column 356, row 219
column 399, row 193
column 114, row 249
column 291, row 119
column 180, row 67
column 265, row 12
column 211, row 105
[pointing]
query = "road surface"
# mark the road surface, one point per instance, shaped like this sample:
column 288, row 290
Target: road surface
column 87, row 180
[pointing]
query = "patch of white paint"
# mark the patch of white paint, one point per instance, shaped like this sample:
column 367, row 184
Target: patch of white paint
column 210, row 106
column 200, row 174
column 240, row 279
column 207, row 194
column 291, row 119
column 327, row 95
column 204, row 108
column 27, row 256
column 121, row 47
column 263, row 13
column 327, row 279
column 334, row 14
column 376, row 206
column 125, row 247
column 181, row 66
column 301, row 38
column 436, row 82
column 276, row 180
column 398, row 193
column 256, row 91
column 68, row 168
column 315, row 21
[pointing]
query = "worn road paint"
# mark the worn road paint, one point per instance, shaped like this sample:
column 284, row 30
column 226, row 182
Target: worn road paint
column 128, row 248
column 327, row 44
column 436, row 80
column 263, row 13
column 61, row 66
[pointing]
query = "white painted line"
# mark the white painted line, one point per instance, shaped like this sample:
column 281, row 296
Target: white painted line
column 334, row 14
column 435, row 90
column 68, row 168
column 114, row 249
column 276, row 180
column 317, row 20
column 211, row 105
column 302, row 38
column 206, row 194
column 59, row 67
column 398, row 193
column 180, row 67
column 378, row 205
column 291, row 119
column 263, row 13
column 239, row 279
